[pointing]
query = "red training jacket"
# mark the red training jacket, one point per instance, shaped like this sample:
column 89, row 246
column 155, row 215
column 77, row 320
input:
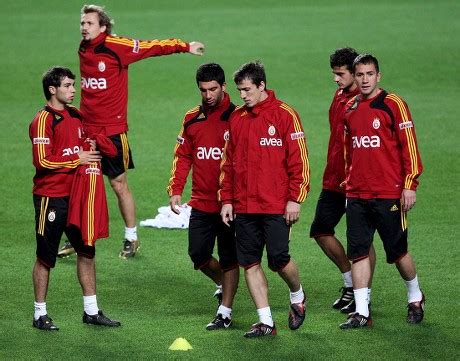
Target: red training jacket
column 88, row 202
column 265, row 161
column 382, row 148
column 104, row 77
column 56, row 137
column 334, row 173
column 199, row 147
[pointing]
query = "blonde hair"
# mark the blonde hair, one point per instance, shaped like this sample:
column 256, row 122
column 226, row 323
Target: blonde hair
column 104, row 18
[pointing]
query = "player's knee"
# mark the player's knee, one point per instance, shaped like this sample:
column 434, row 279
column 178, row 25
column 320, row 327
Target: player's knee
column 199, row 259
column 277, row 262
column 119, row 185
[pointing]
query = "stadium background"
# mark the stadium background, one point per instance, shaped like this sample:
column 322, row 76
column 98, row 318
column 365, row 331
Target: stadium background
column 157, row 296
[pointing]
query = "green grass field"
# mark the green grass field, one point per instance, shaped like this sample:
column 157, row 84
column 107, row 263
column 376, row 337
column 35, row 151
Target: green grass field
column 158, row 296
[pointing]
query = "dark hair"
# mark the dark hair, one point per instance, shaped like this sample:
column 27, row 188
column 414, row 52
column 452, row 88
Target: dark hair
column 104, row 18
column 210, row 72
column 343, row 57
column 366, row 59
column 253, row 71
column 53, row 77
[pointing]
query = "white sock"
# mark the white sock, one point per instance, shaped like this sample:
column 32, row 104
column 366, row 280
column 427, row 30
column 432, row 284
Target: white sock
column 362, row 305
column 39, row 310
column 413, row 290
column 90, row 305
column 369, row 295
column 298, row 296
column 265, row 316
column 131, row 234
column 225, row 311
column 347, row 282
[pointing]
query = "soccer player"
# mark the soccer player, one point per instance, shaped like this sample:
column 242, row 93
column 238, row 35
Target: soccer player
column 199, row 147
column 104, row 61
column 57, row 137
column 383, row 170
column 265, row 176
column 331, row 203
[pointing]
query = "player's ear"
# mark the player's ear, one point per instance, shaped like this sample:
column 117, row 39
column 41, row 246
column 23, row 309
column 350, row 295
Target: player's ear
column 262, row 86
column 52, row 90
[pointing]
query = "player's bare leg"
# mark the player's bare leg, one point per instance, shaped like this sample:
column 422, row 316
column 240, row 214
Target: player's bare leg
column 335, row 251
column 127, row 208
column 41, row 320
column 40, row 275
column 213, row 271
column 257, row 285
column 290, row 275
column 86, row 272
column 223, row 318
column 230, row 281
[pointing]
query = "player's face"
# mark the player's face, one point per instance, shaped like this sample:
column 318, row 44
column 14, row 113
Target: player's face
column 89, row 26
column 212, row 92
column 65, row 92
column 250, row 93
column 343, row 77
column 367, row 78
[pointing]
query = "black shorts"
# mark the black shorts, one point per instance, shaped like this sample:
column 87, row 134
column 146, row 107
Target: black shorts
column 203, row 230
column 364, row 216
column 123, row 161
column 50, row 224
column 254, row 231
column 329, row 210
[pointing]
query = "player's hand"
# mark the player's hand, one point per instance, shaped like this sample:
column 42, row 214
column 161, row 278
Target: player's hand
column 227, row 214
column 174, row 203
column 196, row 48
column 89, row 156
column 292, row 212
column 408, row 199
column 92, row 143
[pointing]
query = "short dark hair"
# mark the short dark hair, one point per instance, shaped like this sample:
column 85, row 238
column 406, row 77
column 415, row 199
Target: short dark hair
column 343, row 57
column 104, row 18
column 53, row 77
column 209, row 72
column 253, row 71
column 366, row 59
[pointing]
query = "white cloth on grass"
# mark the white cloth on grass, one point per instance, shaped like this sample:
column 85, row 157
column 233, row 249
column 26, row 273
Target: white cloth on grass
column 166, row 218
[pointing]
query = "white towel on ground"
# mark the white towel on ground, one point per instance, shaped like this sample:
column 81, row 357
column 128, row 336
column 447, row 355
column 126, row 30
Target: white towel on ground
column 166, row 218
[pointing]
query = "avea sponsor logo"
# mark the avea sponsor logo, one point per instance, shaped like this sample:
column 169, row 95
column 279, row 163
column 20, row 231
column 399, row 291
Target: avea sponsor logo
column 209, row 153
column 69, row 151
column 94, row 83
column 365, row 141
column 274, row 142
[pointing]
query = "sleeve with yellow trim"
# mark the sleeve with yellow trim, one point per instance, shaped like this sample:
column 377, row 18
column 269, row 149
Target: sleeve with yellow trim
column 225, row 192
column 298, row 167
column 43, row 146
column 405, row 132
column 132, row 50
column 182, row 162
column 347, row 142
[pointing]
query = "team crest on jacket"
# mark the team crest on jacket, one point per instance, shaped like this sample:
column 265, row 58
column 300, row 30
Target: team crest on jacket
column 376, row 123
column 226, row 135
column 52, row 216
column 271, row 130
column 101, row 66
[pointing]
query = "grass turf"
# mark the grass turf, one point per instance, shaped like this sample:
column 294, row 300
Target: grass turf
column 157, row 296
